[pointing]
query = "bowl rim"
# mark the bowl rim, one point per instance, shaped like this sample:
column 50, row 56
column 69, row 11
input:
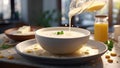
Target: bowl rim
column 36, row 32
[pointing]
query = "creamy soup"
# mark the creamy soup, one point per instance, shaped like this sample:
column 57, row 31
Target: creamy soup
column 66, row 34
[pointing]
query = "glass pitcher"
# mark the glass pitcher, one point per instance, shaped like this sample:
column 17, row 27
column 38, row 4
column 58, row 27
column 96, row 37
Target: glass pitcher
column 79, row 6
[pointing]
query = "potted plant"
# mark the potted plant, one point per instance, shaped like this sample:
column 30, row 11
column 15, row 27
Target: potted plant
column 47, row 17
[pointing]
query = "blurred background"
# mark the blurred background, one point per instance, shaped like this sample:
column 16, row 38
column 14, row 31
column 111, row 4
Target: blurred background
column 48, row 13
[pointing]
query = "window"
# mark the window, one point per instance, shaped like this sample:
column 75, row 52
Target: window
column 65, row 10
column 116, row 11
column 9, row 9
column 5, row 9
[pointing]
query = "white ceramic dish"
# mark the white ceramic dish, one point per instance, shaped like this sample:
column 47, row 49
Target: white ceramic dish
column 69, row 43
column 45, row 57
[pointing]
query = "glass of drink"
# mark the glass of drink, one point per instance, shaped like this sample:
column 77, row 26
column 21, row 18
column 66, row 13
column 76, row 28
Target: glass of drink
column 101, row 28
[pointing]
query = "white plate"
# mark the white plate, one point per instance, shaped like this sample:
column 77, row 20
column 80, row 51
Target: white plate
column 92, row 50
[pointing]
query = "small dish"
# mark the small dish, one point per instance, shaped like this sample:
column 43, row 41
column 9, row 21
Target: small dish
column 19, row 37
column 45, row 57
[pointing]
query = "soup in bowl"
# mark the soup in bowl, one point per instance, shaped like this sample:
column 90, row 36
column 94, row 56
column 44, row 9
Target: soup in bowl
column 61, row 40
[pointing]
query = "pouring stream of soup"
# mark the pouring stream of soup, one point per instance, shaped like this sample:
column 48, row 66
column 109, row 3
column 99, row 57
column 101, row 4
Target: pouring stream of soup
column 76, row 7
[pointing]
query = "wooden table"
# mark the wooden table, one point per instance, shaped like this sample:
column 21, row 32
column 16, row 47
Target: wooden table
column 19, row 62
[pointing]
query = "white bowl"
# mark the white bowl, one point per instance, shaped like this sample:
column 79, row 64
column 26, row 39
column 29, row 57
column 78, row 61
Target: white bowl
column 63, row 45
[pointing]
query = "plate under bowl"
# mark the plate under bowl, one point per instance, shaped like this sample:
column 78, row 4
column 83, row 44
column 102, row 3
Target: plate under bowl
column 102, row 48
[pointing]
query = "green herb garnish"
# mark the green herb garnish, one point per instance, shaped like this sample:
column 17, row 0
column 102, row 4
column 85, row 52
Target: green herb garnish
column 5, row 46
column 60, row 32
column 109, row 43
